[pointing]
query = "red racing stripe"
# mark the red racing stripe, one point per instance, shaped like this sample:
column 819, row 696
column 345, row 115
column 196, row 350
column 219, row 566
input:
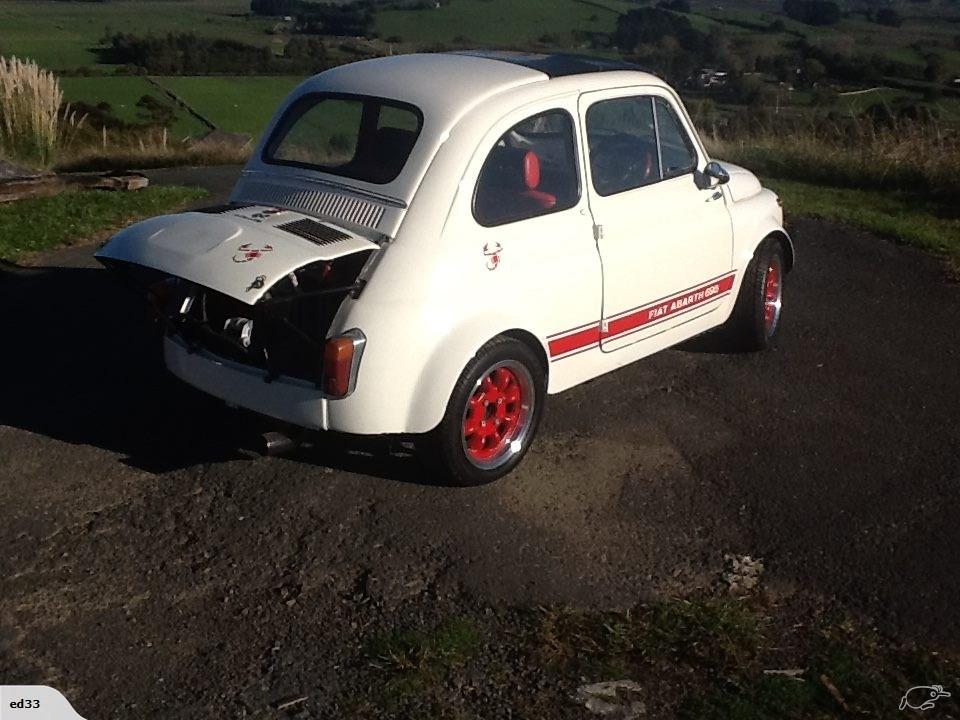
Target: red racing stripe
column 646, row 315
column 582, row 338
column 668, row 307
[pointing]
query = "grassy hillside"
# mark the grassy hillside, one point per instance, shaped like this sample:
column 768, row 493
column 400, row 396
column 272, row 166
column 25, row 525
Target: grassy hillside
column 501, row 22
column 122, row 94
column 237, row 104
column 65, row 35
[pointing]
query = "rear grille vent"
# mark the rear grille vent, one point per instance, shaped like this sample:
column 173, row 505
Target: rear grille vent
column 314, row 231
column 336, row 205
column 220, row 209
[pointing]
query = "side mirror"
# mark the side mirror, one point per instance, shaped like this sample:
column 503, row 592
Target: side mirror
column 716, row 171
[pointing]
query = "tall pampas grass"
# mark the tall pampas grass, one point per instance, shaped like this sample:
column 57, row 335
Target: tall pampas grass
column 34, row 122
column 922, row 158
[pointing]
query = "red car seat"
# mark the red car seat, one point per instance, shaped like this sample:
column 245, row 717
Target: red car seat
column 531, row 179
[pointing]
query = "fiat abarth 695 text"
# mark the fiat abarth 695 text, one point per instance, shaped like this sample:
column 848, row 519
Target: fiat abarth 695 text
column 426, row 245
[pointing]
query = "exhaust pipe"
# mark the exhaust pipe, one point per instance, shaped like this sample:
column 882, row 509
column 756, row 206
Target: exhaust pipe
column 277, row 443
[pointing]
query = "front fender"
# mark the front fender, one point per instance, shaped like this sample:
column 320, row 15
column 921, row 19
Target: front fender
column 754, row 220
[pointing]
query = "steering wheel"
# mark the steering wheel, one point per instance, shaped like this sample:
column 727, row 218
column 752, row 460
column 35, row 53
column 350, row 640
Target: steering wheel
column 621, row 161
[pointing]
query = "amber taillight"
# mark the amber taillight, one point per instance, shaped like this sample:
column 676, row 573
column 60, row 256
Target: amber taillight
column 341, row 360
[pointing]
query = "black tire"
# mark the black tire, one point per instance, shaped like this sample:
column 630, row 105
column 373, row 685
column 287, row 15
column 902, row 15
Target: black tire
column 514, row 366
column 750, row 326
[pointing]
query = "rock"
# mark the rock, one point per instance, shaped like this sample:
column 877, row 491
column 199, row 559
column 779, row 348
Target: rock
column 613, row 699
column 742, row 573
column 133, row 181
column 9, row 171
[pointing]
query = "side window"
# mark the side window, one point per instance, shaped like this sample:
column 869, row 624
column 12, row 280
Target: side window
column 622, row 140
column 531, row 170
column 676, row 150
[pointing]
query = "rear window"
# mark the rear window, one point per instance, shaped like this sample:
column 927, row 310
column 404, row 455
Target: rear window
column 354, row 136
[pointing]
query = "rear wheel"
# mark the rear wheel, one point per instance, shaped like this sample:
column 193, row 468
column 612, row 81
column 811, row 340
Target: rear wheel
column 492, row 415
column 755, row 320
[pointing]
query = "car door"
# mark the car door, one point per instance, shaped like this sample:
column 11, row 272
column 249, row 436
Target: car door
column 663, row 233
column 523, row 205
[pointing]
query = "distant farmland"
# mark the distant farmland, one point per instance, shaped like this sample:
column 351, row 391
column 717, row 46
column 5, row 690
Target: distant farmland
column 122, row 94
column 502, row 22
column 237, row 104
column 65, row 35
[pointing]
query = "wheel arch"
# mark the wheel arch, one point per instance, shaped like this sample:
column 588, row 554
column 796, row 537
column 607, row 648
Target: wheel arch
column 531, row 341
column 786, row 245
column 447, row 362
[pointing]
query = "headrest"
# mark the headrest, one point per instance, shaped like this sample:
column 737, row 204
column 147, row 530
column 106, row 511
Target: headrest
column 531, row 170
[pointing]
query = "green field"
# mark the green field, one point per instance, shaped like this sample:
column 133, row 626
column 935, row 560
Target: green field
column 237, row 104
column 65, row 35
column 500, row 23
column 122, row 94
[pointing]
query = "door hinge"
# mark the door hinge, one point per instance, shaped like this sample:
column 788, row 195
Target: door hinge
column 598, row 232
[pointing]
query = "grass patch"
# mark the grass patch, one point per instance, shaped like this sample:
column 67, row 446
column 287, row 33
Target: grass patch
column 235, row 104
column 703, row 632
column 416, row 662
column 924, row 223
column 703, row 657
column 42, row 223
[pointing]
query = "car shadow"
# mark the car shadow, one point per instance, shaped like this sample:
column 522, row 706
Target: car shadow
column 710, row 342
column 83, row 366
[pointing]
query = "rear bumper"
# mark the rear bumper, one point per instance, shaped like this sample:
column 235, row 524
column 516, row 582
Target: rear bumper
column 288, row 399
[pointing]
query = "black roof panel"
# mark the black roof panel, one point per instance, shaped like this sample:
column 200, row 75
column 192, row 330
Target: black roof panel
column 555, row 64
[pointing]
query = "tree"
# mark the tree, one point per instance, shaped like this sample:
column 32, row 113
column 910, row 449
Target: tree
column 813, row 12
column 888, row 16
column 650, row 25
column 934, row 70
column 813, row 71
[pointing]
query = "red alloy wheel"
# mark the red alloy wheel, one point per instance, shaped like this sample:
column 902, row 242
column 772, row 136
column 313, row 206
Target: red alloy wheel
column 772, row 295
column 494, row 415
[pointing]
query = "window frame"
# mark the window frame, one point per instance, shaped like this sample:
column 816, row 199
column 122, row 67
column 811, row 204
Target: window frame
column 652, row 97
column 684, row 136
column 575, row 154
column 290, row 116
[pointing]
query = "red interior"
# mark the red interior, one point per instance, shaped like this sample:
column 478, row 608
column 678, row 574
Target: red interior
column 531, row 178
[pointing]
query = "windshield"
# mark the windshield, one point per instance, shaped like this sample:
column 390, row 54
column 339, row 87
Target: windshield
column 354, row 136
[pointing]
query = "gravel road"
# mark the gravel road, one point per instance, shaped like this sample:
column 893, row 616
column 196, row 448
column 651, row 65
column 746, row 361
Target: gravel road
column 154, row 567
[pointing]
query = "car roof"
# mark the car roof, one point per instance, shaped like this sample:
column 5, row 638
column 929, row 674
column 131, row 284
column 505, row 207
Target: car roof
column 553, row 65
column 447, row 87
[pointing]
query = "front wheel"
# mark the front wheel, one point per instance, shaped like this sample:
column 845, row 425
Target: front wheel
column 755, row 320
column 492, row 415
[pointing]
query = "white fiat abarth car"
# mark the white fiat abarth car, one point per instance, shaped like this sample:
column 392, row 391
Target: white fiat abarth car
column 427, row 245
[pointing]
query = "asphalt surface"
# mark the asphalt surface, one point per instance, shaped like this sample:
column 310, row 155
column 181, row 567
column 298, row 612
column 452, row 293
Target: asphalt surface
column 153, row 565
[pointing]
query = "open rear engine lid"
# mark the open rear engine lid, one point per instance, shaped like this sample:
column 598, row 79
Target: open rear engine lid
column 240, row 251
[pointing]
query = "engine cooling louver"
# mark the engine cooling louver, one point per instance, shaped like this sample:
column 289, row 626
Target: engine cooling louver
column 314, row 231
column 219, row 209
